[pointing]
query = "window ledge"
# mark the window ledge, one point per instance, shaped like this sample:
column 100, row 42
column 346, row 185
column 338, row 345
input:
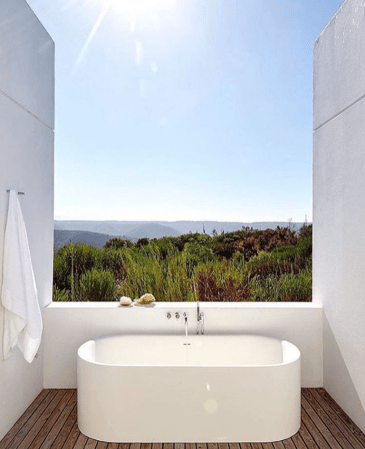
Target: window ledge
column 187, row 305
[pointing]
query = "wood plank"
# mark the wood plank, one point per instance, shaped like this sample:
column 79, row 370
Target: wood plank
column 29, row 431
column 70, row 439
column 255, row 445
column 332, row 442
column 90, row 443
column 335, row 418
column 221, row 446
column 332, row 427
column 51, row 421
column 41, row 398
column 297, row 440
column 288, row 443
column 240, row 446
column 307, row 437
column 278, row 445
column 312, row 429
column 60, row 421
column 136, row 446
column 212, row 445
column 234, row 446
column 360, row 436
column 102, row 445
column 80, row 440
column 66, row 430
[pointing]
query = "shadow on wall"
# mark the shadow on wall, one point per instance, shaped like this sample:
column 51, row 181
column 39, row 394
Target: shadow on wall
column 344, row 393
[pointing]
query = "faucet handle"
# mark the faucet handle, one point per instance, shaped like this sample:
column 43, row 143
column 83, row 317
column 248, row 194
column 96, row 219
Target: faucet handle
column 168, row 315
column 177, row 315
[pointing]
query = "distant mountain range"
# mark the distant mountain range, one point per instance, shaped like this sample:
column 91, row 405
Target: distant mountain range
column 63, row 237
column 96, row 233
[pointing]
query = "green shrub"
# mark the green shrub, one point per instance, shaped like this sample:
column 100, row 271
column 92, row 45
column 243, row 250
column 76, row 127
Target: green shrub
column 271, row 265
column 142, row 242
column 143, row 274
column 201, row 239
column 221, row 281
column 288, row 287
column 305, row 247
column 196, row 254
column 118, row 243
column 113, row 260
column 166, row 247
column 97, row 286
column 178, row 286
column 305, row 231
column 60, row 295
column 61, row 271
column 70, row 262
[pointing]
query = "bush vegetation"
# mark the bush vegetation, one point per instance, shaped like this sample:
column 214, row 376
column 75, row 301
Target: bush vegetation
column 246, row 265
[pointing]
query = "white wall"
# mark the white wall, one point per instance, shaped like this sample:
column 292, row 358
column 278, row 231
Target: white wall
column 26, row 164
column 68, row 325
column 339, row 204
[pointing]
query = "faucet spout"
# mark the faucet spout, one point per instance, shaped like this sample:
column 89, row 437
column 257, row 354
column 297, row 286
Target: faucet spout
column 186, row 328
column 186, row 317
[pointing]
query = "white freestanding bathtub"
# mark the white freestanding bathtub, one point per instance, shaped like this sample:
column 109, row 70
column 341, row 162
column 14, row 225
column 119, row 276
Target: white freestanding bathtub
column 220, row 388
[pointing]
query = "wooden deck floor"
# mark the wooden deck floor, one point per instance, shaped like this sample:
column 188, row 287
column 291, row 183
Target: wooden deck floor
column 51, row 422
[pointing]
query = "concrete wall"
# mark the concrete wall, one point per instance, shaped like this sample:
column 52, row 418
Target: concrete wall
column 339, row 204
column 68, row 325
column 26, row 164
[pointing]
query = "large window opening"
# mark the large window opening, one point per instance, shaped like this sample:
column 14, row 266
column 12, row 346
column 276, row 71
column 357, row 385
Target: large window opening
column 187, row 122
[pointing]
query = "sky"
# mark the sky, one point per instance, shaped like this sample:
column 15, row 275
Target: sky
column 184, row 109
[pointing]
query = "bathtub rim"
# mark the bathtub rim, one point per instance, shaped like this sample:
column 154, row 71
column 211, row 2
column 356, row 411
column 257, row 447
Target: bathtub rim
column 293, row 350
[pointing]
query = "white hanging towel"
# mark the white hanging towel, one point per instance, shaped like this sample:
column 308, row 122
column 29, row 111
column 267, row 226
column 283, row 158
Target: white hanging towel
column 23, row 320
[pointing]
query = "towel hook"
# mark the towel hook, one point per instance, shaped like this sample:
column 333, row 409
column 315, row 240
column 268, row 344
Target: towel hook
column 19, row 193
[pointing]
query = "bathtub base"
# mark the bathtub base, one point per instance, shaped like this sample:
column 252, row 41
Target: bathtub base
column 190, row 405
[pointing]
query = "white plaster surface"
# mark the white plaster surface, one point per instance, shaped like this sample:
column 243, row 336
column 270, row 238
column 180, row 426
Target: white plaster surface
column 26, row 60
column 339, row 61
column 26, row 164
column 67, row 326
column 339, row 209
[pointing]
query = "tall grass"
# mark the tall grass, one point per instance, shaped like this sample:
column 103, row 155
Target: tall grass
column 229, row 267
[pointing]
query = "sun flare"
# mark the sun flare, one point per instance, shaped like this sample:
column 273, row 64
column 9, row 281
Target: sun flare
column 139, row 5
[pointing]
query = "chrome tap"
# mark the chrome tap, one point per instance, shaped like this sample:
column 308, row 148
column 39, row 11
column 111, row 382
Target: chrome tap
column 185, row 315
column 200, row 319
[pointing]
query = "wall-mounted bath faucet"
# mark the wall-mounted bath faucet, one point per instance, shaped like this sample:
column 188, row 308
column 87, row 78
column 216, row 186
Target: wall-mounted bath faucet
column 185, row 315
column 200, row 319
